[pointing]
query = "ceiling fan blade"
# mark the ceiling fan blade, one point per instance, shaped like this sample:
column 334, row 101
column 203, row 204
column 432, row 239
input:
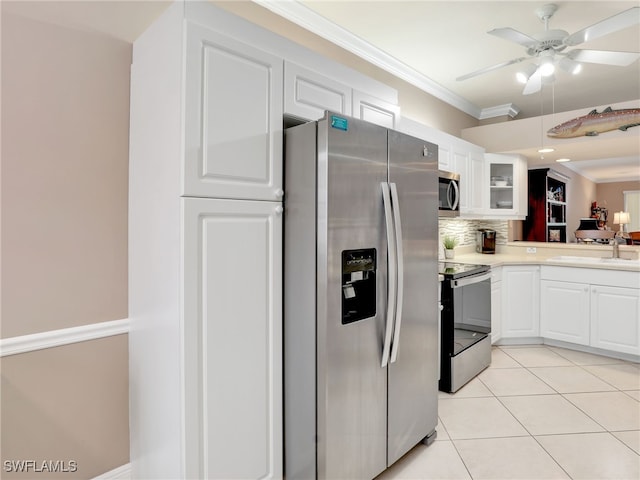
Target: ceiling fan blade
column 491, row 68
column 612, row 24
column 620, row 59
column 534, row 84
column 512, row 35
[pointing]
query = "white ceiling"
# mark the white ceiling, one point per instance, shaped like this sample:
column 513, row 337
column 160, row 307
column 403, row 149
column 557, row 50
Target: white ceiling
column 429, row 43
column 443, row 40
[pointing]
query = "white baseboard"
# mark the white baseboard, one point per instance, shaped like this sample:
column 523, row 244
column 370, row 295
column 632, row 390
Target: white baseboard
column 63, row 336
column 121, row 473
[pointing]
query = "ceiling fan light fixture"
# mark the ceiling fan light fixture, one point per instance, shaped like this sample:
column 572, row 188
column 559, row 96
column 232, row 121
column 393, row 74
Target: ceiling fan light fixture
column 547, row 68
column 524, row 75
column 570, row 66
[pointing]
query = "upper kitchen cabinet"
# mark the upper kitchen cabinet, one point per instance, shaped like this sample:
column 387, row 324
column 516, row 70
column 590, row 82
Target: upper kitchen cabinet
column 468, row 161
column 505, row 181
column 375, row 110
column 233, row 118
column 308, row 93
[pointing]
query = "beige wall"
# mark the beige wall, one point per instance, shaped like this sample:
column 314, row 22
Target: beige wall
column 65, row 110
column 610, row 195
column 69, row 404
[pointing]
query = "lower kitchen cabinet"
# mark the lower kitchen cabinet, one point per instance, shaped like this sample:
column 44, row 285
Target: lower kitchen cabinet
column 232, row 338
column 520, row 301
column 599, row 308
column 564, row 311
column 615, row 319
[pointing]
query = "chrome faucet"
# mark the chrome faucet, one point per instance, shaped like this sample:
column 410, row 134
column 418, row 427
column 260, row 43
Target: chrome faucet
column 616, row 247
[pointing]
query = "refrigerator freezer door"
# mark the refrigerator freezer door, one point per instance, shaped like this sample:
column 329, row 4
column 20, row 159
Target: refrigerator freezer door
column 413, row 377
column 351, row 399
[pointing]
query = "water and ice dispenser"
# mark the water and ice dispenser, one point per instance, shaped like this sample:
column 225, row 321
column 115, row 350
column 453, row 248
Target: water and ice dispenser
column 358, row 284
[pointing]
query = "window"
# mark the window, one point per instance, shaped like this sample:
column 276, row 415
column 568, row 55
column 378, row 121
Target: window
column 632, row 205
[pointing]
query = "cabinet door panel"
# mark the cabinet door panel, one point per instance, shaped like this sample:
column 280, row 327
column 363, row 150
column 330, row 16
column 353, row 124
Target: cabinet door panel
column 564, row 311
column 615, row 319
column 233, row 119
column 375, row 110
column 308, row 94
column 232, row 338
column 521, row 301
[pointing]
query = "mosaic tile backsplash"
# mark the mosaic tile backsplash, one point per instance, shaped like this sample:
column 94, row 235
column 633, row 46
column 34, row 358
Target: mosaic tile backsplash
column 465, row 230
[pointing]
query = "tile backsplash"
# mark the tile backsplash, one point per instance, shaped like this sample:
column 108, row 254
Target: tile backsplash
column 465, row 230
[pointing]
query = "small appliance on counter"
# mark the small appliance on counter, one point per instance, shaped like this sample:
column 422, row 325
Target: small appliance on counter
column 485, row 240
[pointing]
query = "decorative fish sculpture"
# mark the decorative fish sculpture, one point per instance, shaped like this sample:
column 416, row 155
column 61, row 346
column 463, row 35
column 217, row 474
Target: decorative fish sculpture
column 595, row 123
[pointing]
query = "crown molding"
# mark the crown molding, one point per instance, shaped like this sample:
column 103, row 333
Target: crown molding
column 509, row 109
column 309, row 20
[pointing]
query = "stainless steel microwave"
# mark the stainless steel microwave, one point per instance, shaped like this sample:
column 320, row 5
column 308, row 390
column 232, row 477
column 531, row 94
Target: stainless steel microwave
column 448, row 194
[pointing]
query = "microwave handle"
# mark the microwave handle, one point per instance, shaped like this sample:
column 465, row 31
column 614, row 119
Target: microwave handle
column 456, row 195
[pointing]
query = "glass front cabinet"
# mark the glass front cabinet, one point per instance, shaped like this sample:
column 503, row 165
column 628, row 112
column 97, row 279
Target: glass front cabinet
column 506, row 177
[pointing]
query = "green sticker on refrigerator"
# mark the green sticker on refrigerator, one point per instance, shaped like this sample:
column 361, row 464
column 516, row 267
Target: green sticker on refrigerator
column 339, row 123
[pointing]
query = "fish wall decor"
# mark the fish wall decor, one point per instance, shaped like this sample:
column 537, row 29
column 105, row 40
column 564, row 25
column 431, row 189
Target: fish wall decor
column 595, row 123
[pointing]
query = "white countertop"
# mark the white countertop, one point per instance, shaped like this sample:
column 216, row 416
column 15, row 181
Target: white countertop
column 515, row 253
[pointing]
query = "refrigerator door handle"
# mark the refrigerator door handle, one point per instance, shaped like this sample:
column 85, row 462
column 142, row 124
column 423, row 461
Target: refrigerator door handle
column 395, row 203
column 391, row 271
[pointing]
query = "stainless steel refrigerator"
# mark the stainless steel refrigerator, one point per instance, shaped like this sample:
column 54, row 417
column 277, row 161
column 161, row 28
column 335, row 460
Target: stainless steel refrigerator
column 361, row 306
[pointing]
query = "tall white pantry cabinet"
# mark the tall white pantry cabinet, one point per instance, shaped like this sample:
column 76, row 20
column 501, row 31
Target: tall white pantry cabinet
column 205, row 246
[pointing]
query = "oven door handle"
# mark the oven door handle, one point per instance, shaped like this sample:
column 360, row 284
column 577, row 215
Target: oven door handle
column 463, row 282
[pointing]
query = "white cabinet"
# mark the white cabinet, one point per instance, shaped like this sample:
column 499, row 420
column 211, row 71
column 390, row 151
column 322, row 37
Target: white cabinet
column 476, row 194
column 232, row 337
column 505, row 184
column 496, row 304
column 233, row 118
column 205, row 246
column 374, row 110
column 308, row 93
column 564, row 311
column 615, row 319
column 595, row 307
column 521, row 301
column 445, row 161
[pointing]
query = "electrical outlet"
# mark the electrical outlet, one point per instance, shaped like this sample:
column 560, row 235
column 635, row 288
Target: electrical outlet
column 531, row 249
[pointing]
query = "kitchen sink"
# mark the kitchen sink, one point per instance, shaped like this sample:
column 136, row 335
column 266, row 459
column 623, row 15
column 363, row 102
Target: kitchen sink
column 594, row 260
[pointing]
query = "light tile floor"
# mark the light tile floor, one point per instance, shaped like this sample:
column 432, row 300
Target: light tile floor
column 537, row 412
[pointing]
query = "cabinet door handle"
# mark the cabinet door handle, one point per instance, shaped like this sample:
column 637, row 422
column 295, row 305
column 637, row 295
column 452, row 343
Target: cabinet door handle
column 279, row 209
column 279, row 193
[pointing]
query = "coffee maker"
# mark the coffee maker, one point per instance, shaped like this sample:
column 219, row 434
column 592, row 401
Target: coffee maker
column 485, row 240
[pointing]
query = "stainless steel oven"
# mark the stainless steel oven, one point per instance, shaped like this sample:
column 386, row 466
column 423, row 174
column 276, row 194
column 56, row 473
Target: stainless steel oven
column 466, row 323
column 448, row 194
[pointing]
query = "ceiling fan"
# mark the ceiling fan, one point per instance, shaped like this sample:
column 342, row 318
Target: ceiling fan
column 547, row 49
